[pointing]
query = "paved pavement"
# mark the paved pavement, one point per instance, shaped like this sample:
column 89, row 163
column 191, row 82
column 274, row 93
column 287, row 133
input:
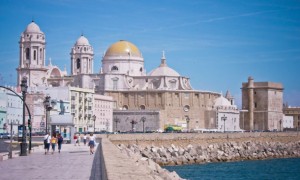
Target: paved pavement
column 73, row 162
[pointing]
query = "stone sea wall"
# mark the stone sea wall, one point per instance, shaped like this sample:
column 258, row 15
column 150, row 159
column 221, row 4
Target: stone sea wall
column 191, row 148
column 122, row 163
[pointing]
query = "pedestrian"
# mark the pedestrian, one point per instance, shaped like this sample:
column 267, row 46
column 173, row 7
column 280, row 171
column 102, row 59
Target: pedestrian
column 75, row 139
column 92, row 143
column 84, row 139
column 60, row 140
column 53, row 142
column 78, row 139
column 47, row 143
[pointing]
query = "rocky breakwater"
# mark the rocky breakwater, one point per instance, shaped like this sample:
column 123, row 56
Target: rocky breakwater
column 217, row 152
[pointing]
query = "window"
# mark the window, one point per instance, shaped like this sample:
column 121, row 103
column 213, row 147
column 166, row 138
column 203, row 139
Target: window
column 115, row 83
column 141, row 69
column 255, row 105
column 27, row 53
column 34, row 55
column 78, row 63
column 114, row 68
column 142, row 107
column 41, row 54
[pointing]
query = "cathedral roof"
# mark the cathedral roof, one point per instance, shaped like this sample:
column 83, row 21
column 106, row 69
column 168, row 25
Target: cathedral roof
column 33, row 28
column 123, row 48
column 222, row 101
column 163, row 69
column 82, row 41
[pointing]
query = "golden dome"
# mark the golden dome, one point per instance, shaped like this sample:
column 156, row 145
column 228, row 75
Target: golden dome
column 123, row 48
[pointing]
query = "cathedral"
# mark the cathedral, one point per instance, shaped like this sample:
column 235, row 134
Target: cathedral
column 142, row 101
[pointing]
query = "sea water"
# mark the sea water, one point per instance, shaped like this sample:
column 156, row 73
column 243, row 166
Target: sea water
column 257, row 169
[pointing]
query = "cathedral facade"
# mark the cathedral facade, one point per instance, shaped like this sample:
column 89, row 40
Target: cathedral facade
column 161, row 97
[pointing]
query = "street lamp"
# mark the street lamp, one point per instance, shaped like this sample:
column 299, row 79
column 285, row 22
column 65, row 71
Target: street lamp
column 47, row 105
column 143, row 119
column 132, row 122
column 94, row 119
column 188, row 123
column 117, row 121
column 23, row 143
column 224, row 118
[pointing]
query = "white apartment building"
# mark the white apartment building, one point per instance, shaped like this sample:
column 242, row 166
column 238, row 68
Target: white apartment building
column 103, row 111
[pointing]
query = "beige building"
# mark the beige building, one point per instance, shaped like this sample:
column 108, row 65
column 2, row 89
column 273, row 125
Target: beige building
column 295, row 113
column 103, row 111
column 122, row 76
column 263, row 100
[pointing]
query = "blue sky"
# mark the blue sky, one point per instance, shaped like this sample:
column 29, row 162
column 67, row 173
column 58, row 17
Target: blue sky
column 218, row 44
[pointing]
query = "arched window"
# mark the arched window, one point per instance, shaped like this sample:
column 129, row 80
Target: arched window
column 27, row 53
column 142, row 107
column 114, row 68
column 141, row 69
column 78, row 63
column 125, row 107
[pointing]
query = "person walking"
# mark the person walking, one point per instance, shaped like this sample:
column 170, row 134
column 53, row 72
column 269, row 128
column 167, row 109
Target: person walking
column 75, row 139
column 84, row 139
column 47, row 143
column 60, row 140
column 53, row 143
column 92, row 143
column 78, row 139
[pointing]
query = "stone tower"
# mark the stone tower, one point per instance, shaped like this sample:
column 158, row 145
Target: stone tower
column 263, row 100
column 32, row 55
column 82, row 57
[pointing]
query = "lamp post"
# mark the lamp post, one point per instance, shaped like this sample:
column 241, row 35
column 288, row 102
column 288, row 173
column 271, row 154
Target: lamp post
column 117, row 121
column 132, row 122
column 48, row 107
column 188, row 123
column 23, row 143
column 143, row 119
column 224, row 118
column 94, row 119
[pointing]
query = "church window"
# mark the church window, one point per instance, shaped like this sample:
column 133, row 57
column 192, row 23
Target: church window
column 125, row 107
column 84, row 48
column 114, row 68
column 34, row 55
column 115, row 84
column 141, row 69
column 40, row 54
column 142, row 107
column 27, row 53
column 78, row 63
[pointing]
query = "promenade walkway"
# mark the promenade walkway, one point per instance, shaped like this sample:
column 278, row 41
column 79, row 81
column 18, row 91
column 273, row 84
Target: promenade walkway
column 73, row 162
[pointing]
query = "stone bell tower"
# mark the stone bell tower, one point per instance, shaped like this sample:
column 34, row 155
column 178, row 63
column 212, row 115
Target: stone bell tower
column 32, row 55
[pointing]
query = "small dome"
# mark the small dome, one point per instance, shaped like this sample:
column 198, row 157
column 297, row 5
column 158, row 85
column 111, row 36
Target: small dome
column 82, row 41
column 33, row 28
column 123, row 48
column 164, row 71
column 222, row 101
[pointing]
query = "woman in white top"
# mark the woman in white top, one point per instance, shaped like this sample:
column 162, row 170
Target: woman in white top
column 47, row 138
column 92, row 143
